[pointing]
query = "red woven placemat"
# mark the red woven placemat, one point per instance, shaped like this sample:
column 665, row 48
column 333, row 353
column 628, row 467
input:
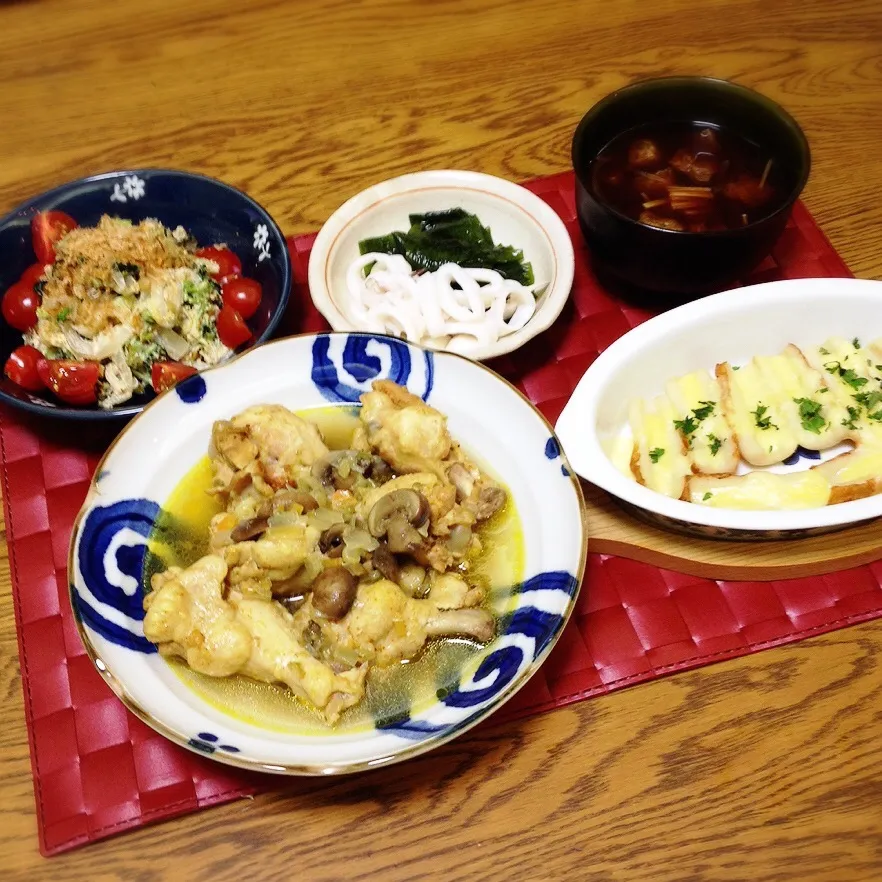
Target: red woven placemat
column 98, row 770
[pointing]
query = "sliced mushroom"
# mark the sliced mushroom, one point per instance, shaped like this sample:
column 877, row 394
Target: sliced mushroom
column 490, row 501
column 325, row 469
column 290, row 588
column 460, row 538
column 461, row 478
column 333, row 592
column 291, row 496
column 331, row 541
column 252, row 528
column 384, row 561
column 312, row 640
column 412, row 580
column 402, row 537
column 292, row 602
column 378, row 470
column 476, row 623
column 407, row 505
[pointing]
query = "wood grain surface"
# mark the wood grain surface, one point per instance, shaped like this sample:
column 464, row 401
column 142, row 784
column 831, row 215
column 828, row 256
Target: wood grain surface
column 763, row 768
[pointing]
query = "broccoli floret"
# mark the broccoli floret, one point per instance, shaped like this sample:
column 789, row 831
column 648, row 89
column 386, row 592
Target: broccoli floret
column 140, row 353
column 202, row 294
column 202, row 300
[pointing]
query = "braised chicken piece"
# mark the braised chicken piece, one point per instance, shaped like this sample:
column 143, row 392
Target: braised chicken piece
column 188, row 616
column 386, row 626
column 267, row 442
column 324, row 563
column 404, row 430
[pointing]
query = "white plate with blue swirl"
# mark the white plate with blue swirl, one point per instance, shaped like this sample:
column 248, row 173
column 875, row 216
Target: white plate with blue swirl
column 156, row 450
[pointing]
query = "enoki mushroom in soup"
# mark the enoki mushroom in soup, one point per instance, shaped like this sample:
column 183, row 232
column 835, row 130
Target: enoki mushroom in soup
column 327, row 564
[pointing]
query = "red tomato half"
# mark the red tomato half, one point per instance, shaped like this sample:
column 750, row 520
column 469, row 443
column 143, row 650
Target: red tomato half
column 231, row 328
column 47, row 228
column 32, row 274
column 228, row 263
column 21, row 368
column 165, row 374
column 19, row 306
column 74, row 382
column 243, row 295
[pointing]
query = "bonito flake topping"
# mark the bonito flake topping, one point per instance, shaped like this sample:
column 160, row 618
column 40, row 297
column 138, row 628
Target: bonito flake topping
column 127, row 295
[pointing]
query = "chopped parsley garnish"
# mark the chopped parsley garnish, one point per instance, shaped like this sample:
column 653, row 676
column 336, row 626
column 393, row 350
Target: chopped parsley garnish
column 715, row 444
column 868, row 399
column 847, row 375
column 876, row 417
column 706, row 409
column 878, row 367
column 810, row 415
column 736, row 367
column 706, row 496
column 688, row 426
column 762, row 421
column 63, row 314
column 824, row 351
column 856, row 343
column 656, row 453
column 853, row 415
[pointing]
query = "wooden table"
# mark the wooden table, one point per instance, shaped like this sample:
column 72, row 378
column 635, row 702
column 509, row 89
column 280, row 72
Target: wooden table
column 762, row 768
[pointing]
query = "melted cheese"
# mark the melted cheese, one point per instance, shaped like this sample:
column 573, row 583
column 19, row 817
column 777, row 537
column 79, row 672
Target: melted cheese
column 762, row 413
column 762, row 491
column 713, row 450
column 661, row 463
column 765, row 436
column 619, row 450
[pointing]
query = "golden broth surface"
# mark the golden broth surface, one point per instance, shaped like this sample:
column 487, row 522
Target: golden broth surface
column 181, row 537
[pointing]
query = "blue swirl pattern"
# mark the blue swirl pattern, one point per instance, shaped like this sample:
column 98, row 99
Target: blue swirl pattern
column 110, row 559
column 502, row 665
column 343, row 368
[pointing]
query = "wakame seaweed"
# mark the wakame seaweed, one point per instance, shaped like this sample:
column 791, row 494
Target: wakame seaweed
column 451, row 236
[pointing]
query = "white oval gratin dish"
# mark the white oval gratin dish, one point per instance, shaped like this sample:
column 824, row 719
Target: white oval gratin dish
column 732, row 326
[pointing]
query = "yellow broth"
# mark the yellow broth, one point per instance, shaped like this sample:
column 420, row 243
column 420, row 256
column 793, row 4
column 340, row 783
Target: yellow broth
column 181, row 537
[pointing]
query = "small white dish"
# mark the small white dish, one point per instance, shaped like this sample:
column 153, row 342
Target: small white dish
column 514, row 215
column 732, row 326
column 155, row 451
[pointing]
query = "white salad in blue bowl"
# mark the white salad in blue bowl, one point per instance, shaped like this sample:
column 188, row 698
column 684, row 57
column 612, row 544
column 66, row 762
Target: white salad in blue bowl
column 117, row 286
column 336, row 552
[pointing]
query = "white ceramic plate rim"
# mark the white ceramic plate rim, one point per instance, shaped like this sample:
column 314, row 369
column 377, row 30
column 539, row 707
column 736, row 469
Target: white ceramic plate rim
column 536, row 210
column 588, row 457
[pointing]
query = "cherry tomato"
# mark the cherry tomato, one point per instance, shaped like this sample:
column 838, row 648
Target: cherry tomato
column 165, row 374
column 243, row 295
column 229, row 265
column 32, row 274
column 19, row 307
column 21, row 368
column 231, row 327
column 47, row 228
column 74, row 382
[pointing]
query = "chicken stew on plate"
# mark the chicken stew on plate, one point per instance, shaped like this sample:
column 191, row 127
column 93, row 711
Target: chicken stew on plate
column 330, row 561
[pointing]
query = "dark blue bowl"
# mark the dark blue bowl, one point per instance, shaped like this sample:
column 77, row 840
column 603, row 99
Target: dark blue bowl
column 211, row 211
